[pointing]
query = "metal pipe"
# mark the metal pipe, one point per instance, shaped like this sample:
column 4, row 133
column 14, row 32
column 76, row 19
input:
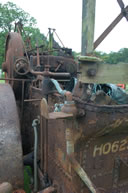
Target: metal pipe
column 50, row 39
column 38, row 57
column 34, row 125
column 59, row 39
column 59, row 89
column 46, row 147
column 88, row 23
column 32, row 100
column 65, row 93
column 22, row 103
column 14, row 79
column 51, row 74
column 41, row 142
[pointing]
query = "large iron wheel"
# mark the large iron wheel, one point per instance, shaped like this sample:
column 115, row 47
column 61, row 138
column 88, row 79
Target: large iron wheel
column 11, row 163
column 14, row 49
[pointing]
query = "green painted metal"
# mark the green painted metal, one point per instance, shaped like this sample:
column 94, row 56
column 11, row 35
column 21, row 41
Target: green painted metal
column 50, row 39
column 88, row 23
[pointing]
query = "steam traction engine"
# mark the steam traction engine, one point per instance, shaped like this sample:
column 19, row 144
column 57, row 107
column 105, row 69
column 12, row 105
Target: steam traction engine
column 80, row 144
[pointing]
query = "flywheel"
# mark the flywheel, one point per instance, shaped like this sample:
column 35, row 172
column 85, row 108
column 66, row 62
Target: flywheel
column 11, row 162
column 14, row 49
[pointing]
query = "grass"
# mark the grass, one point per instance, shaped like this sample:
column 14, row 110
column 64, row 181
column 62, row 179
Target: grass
column 27, row 179
column 2, row 81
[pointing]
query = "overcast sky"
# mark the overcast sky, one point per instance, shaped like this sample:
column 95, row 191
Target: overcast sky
column 66, row 16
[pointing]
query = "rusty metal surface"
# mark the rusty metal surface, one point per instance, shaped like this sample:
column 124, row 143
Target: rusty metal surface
column 56, row 63
column 19, row 191
column 48, row 190
column 14, row 49
column 78, row 154
column 10, row 140
column 103, row 144
column 60, row 169
column 82, row 174
column 98, row 142
column 53, row 115
column 51, row 74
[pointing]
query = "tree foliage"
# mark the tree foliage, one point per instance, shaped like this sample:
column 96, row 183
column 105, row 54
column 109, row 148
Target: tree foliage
column 10, row 14
column 114, row 57
column 36, row 37
column 2, row 49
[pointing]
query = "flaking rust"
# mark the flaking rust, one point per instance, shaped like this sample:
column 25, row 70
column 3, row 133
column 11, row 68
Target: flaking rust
column 82, row 135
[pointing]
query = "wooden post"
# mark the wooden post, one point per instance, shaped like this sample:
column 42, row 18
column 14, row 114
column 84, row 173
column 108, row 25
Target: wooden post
column 88, row 22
